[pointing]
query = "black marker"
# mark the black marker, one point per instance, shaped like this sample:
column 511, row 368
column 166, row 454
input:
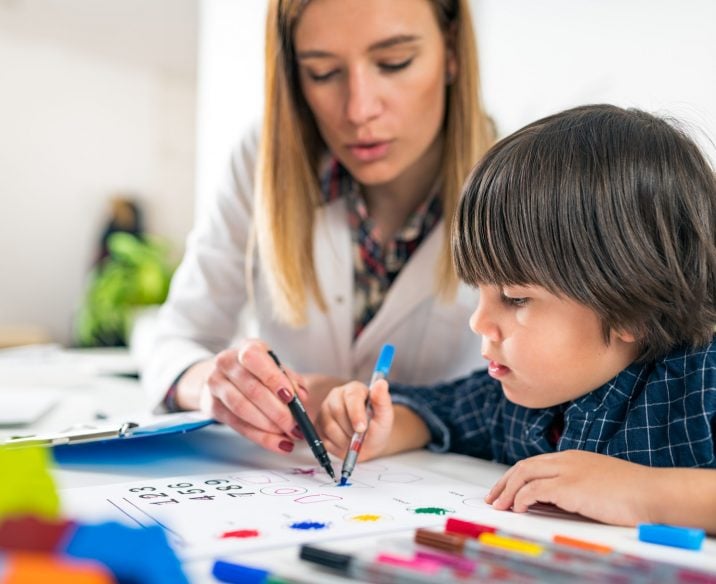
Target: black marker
column 362, row 570
column 306, row 426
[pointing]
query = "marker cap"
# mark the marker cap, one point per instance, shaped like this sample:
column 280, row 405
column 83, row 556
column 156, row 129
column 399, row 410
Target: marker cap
column 467, row 528
column 385, row 360
column 230, row 572
column 329, row 559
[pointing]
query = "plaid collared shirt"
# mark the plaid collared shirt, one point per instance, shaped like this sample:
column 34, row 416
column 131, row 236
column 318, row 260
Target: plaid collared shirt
column 375, row 267
column 661, row 413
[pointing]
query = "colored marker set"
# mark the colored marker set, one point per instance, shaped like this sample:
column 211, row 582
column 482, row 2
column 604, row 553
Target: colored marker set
column 423, row 567
column 470, row 552
column 564, row 559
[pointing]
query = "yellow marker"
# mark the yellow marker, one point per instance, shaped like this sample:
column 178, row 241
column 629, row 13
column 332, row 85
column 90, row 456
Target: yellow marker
column 508, row 543
column 27, row 488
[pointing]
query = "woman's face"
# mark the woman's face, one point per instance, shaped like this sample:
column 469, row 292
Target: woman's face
column 374, row 73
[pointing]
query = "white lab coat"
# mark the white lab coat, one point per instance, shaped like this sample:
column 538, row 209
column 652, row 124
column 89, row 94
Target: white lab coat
column 200, row 318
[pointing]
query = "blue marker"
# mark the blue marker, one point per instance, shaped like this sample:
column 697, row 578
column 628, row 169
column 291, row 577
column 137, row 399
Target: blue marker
column 230, row 572
column 381, row 371
column 681, row 537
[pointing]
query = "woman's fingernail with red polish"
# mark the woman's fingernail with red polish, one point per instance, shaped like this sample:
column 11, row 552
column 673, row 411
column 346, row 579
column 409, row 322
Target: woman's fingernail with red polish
column 297, row 432
column 285, row 395
column 286, row 446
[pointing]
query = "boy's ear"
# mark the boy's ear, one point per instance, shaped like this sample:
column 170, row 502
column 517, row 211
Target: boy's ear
column 624, row 336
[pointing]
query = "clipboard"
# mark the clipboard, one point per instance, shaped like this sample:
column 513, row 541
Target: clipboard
column 138, row 427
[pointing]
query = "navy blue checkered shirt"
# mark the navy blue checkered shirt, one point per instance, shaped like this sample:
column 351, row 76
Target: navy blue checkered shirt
column 660, row 413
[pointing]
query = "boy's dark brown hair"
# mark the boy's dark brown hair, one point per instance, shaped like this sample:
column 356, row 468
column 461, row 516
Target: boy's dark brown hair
column 612, row 208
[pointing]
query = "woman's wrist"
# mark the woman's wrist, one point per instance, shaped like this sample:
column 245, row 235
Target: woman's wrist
column 189, row 385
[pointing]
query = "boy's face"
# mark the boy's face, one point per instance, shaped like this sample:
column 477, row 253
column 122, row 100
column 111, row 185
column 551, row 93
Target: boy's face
column 546, row 349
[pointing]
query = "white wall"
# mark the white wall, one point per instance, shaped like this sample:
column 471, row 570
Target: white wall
column 74, row 129
column 230, row 85
column 540, row 57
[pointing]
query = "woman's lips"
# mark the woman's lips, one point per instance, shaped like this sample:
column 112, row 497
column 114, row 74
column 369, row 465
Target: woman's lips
column 369, row 151
column 496, row 370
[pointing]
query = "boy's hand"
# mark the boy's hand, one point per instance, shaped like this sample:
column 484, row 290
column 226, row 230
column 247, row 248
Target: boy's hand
column 344, row 412
column 319, row 386
column 597, row 486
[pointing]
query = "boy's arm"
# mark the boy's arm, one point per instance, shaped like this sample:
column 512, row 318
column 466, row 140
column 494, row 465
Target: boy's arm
column 460, row 416
column 682, row 496
column 610, row 489
column 409, row 432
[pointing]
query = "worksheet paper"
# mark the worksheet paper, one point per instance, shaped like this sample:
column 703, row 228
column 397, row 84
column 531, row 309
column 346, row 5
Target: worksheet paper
column 279, row 504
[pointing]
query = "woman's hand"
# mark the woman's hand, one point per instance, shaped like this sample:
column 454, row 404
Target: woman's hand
column 243, row 388
column 597, row 486
column 344, row 412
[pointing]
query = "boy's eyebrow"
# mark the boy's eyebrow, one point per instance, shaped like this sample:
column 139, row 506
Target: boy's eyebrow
column 382, row 44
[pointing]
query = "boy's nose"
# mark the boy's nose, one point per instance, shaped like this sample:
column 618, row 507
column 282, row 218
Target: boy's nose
column 482, row 324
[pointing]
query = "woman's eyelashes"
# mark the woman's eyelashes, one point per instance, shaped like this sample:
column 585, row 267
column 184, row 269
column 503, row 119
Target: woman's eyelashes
column 392, row 67
column 322, row 77
column 385, row 67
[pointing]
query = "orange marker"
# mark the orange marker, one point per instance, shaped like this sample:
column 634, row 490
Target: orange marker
column 580, row 544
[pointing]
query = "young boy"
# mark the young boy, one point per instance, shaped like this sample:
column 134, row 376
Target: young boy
column 590, row 235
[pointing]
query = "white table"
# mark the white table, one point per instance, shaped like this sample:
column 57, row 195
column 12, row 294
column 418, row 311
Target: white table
column 84, row 376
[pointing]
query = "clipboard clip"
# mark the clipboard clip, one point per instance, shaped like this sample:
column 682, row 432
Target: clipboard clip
column 81, row 433
column 126, row 429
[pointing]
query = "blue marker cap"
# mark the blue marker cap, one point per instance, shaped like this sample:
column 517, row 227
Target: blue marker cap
column 385, row 360
column 682, row 537
column 230, row 572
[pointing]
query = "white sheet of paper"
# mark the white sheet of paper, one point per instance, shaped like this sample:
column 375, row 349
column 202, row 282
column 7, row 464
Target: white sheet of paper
column 21, row 407
column 261, row 508
column 268, row 502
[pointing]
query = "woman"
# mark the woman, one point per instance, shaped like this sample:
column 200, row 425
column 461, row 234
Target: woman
column 338, row 233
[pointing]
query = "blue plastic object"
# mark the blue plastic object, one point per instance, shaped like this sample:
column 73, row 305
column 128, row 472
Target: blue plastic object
column 230, row 572
column 682, row 537
column 137, row 555
column 385, row 360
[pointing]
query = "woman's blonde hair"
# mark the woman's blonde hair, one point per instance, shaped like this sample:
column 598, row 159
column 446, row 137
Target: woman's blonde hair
column 288, row 192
